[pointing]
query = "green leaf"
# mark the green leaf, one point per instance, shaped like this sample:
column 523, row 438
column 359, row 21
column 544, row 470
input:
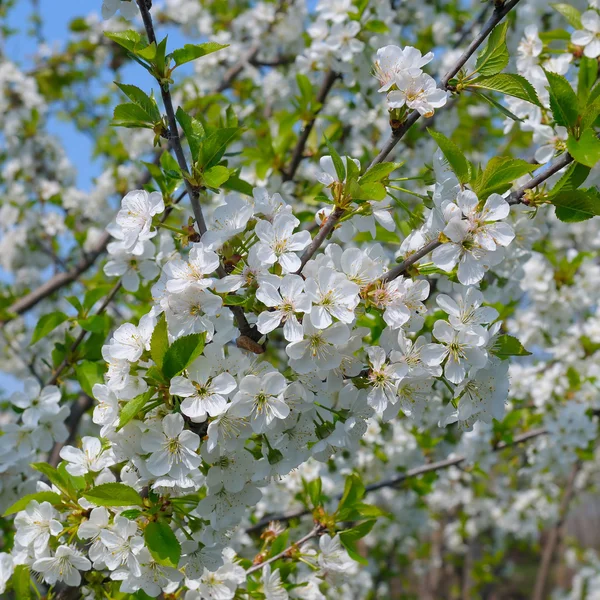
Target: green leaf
column 162, row 543
column 21, row 582
column 234, row 300
column 92, row 296
column 148, row 52
column 22, row 503
column 570, row 13
column 591, row 109
column 354, row 490
column 563, row 100
column 46, row 324
column 572, row 178
column 510, row 84
column 159, row 342
column 378, row 172
column 216, row 176
column 89, row 373
column 577, row 205
column 314, row 489
column 338, row 163
column 358, row 532
column 456, row 159
column 494, row 57
column 507, row 345
column 133, row 407
column 56, row 478
column 214, row 146
column 305, row 87
column 193, row 51
column 128, row 39
column 131, row 115
column 500, row 107
column 113, row 494
column 193, row 130
column 238, row 185
column 139, row 97
column 499, row 175
column 181, row 353
column 376, row 26
column 588, row 72
column 585, row 150
column 96, row 323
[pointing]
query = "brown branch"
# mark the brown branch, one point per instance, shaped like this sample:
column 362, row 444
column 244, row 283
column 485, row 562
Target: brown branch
column 315, row 532
column 554, row 536
column 398, row 133
column 515, row 197
column 297, row 156
column 394, row 481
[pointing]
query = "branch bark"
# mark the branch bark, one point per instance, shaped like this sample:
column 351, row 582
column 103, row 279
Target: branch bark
column 420, row 470
column 397, row 134
column 554, row 536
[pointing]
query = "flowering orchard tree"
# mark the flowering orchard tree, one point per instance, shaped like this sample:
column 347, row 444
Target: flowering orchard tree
column 326, row 324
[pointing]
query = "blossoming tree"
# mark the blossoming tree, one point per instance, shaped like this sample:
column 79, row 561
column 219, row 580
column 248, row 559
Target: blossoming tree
column 326, row 325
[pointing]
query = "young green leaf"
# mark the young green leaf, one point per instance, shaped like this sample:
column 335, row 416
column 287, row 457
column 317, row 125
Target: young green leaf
column 456, row 159
column 131, row 116
column 89, row 373
column 214, row 146
column 588, row 72
column 22, row 503
column 572, row 178
column 499, row 175
column 46, row 324
column 338, row 163
column 354, row 490
column 507, row 345
column 133, row 407
column 181, row 353
column 162, row 543
column 500, row 107
column 378, row 172
column 563, row 100
column 128, row 39
column 113, row 494
column 56, row 478
column 510, row 84
column 585, row 150
column 21, row 582
column 215, row 176
column 193, row 51
column 494, row 57
column 139, row 97
column 159, row 342
column 570, row 13
column 193, row 130
column 577, row 205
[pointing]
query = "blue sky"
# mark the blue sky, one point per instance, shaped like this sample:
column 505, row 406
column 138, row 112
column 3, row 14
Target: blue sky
column 20, row 47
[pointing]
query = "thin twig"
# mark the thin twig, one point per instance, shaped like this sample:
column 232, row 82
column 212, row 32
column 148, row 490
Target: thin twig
column 326, row 85
column 397, row 134
column 315, row 532
column 514, row 198
column 420, row 470
column 554, row 536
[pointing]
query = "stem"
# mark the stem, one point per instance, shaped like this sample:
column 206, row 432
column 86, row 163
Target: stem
column 332, row 220
column 315, row 532
column 326, row 86
column 427, row 468
column 174, row 138
column 554, row 536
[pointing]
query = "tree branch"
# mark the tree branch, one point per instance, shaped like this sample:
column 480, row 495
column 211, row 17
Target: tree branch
column 397, row 134
column 315, row 532
column 427, row 468
column 514, row 198
column 554, row 536
column 324, row 90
